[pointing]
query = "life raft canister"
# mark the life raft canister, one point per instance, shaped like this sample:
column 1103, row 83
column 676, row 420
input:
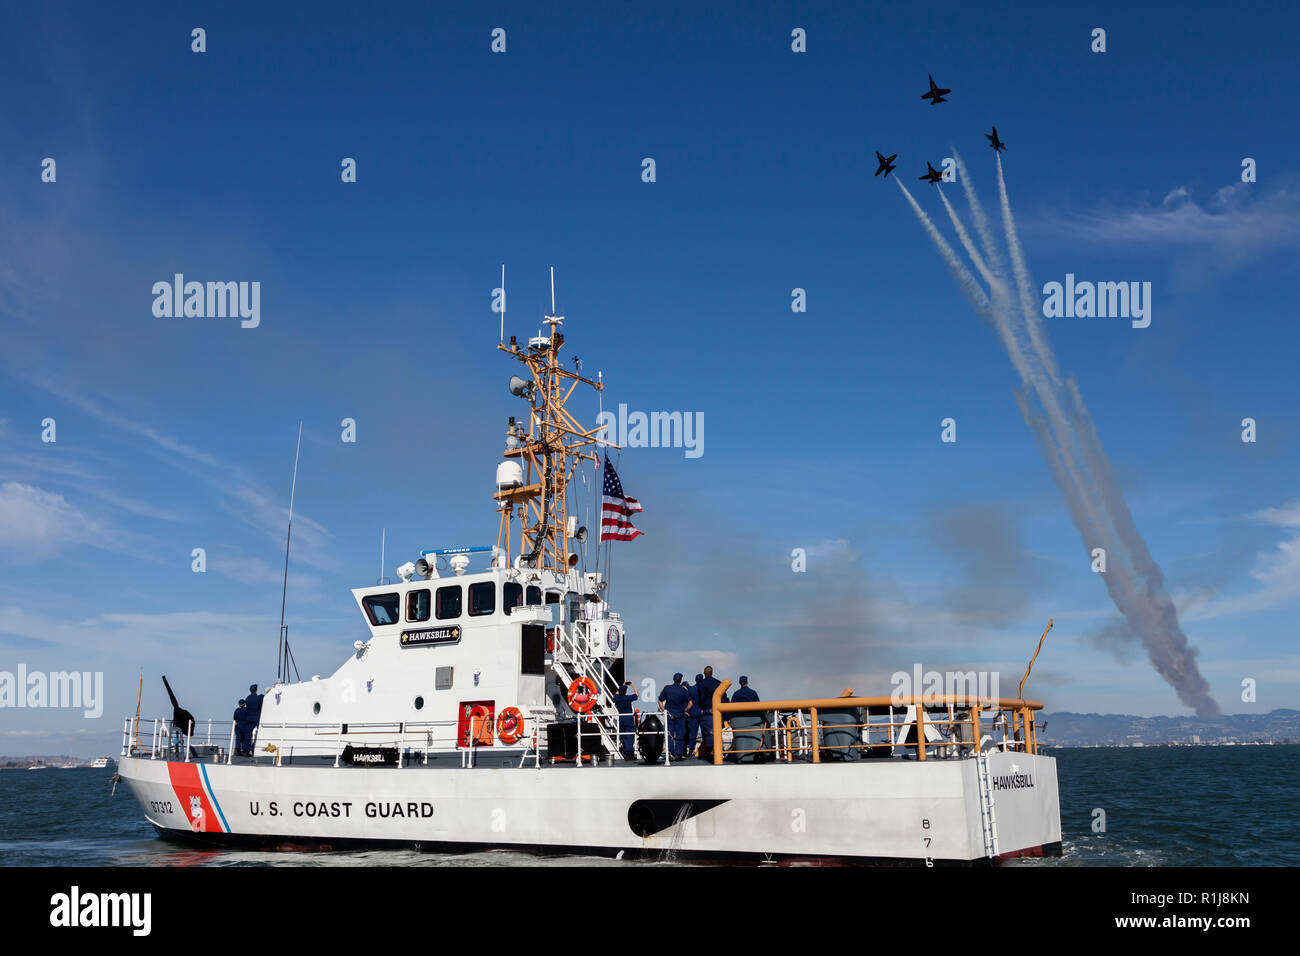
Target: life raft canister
column 510, row 725
column 582, row 695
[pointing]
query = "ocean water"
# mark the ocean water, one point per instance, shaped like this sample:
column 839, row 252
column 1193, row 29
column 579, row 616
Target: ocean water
column 1163, row 806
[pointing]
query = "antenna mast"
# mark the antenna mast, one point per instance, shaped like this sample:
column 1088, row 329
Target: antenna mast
column 555, row 444
column 280, row 665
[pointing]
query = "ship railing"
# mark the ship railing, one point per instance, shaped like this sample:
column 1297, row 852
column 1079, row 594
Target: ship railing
column 277, row 743
column 941, row 726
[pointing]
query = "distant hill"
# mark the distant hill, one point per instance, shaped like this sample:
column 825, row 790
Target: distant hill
column 61, row 760
column 1120, row 730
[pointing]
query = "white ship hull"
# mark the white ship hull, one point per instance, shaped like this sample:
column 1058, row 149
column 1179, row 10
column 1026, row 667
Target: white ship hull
column 904, row 811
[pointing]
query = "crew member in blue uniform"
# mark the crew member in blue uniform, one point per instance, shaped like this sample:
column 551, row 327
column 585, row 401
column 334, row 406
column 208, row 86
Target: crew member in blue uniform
column 693, row 715
column 676, row 700
column 624, row 701
column 706, row 686
column 243, row 731
column 745, row 695
column 254, row 704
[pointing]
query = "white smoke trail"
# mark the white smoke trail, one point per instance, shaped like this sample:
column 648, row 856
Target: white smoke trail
column 1070, row 445
column 1028, row 305
column 1027, row 355
column 991, row 251
column 978, row 299
column 966, row 242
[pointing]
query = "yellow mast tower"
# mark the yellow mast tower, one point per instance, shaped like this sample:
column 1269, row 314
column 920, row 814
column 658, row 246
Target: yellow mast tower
column 532, row 495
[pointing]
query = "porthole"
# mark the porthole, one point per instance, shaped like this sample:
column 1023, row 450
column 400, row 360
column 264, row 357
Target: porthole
column 315, row 708
column 419, row 703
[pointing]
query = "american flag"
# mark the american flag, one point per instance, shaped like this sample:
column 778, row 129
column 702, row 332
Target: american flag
column 616, row 509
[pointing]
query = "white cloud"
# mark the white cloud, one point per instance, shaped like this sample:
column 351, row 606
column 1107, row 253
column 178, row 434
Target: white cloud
column 1276, row 570
column 1288, row 516
column 36, row 524
column 1235, row 216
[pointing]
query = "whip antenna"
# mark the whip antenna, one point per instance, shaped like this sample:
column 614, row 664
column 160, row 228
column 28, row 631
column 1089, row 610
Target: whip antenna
column 280, row 663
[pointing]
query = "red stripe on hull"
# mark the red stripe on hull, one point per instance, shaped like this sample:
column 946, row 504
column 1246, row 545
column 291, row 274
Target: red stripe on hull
column 188, row 787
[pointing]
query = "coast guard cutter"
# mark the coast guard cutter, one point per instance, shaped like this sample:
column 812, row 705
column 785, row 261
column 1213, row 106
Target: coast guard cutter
column 479, row 714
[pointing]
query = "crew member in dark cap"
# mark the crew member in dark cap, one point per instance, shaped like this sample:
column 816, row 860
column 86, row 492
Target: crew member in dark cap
column 693, row 715
column 624, row 701
column 745, row 694
column 707, row 685
column 243, row 731
column 254, row 704
column 676, row 700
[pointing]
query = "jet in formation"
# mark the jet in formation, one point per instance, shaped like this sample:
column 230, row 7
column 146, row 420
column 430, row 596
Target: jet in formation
column 932, row 176
column 996, row 143
column 886, row 164
column 935, row 95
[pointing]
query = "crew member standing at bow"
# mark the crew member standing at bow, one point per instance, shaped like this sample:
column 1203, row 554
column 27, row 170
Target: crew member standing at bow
column 676, row 700
column 243, row 731
column 253, row 704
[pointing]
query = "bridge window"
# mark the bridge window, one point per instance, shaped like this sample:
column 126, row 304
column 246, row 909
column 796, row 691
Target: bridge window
column 382, row 608
column 417, row 605
column 534, row 595
column 512, row 595
column 449, row 602
column 552, row 597
column 482, row 598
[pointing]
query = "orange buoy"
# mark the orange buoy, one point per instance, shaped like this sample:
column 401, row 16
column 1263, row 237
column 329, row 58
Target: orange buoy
column 510, row 725
column 582, row 695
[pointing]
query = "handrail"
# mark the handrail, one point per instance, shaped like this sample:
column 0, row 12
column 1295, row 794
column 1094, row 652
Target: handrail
column 1021, row 716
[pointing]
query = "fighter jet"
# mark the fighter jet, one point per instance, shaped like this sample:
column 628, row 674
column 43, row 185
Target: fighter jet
column 886, row 164
column 933, row 176
column 935, row 95
column 996, row 143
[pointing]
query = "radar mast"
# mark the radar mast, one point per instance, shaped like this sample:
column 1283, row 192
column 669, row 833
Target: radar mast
column 533, row 498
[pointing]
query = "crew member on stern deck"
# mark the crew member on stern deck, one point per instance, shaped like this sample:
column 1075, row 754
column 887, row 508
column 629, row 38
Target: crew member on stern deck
column 745, row 694
column 676, row 700
column 624, row 701
column 706, row 685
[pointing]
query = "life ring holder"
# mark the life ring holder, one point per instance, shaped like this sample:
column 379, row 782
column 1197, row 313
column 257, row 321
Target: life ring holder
column 575, row 689
column 510, row 725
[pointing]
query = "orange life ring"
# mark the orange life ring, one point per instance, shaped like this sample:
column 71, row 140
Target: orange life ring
column 581, row 701
column 510, row 725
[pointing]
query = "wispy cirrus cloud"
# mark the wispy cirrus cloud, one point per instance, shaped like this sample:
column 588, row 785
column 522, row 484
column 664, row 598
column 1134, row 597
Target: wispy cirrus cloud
column 36, row 524
column 1277, row 571
column 244, row 496
column 1239, row 216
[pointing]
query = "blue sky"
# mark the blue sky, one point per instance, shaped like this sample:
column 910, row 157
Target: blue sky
column 822, row 428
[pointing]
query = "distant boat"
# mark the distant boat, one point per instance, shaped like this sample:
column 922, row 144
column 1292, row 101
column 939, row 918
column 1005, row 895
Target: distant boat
column 37, row 766
column 99, row 762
